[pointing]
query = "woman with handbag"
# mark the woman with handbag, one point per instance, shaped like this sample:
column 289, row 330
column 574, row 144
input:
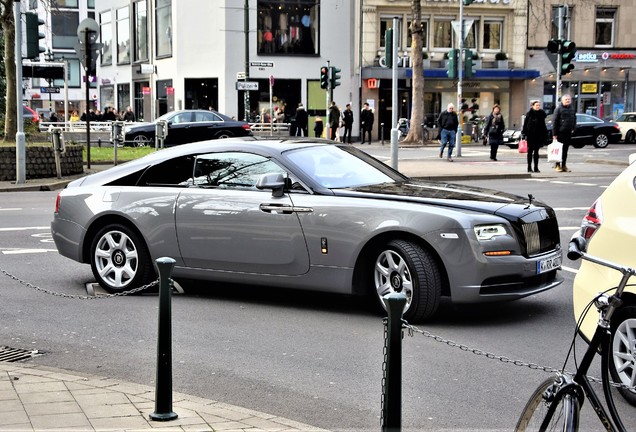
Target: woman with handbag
column 535, row 132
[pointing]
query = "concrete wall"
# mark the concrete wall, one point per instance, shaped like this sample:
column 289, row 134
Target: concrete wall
column 40, row 162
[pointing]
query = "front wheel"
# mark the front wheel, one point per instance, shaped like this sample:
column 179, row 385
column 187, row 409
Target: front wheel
column 561, row 412
column 601, row 141
column 405, row 267
column 622, row 362
column 630, row 137
column 141, row 141
column 120, row 260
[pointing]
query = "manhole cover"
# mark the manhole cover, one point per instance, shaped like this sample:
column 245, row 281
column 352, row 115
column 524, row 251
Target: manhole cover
column 9, row 354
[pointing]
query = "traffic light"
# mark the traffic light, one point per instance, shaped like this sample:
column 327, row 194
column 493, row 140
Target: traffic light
column 95, row 50
column 468, row 2
column 388, row 47
column 452, row 63
column 468, row 64
column 335, row 77
column 554, row 46
column 324, row 77
column 33, row 35
column 568, row 52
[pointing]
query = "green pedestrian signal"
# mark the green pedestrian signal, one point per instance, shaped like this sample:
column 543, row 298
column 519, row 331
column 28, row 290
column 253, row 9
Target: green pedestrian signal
column 33, row 35
column 452, row 63
column 568, row 53
column 335, row 77
column 468, row 64
column 324, row 77
column 388, row 47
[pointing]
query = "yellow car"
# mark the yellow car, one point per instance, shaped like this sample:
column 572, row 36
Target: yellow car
column 610, row 229
column 627, row 123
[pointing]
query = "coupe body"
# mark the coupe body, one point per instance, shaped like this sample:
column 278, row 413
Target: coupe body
column 186, row 126
column 306, row 214
column 590, row 130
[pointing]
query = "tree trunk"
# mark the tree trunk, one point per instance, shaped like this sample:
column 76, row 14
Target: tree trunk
column 8, row 28
column 417, row 98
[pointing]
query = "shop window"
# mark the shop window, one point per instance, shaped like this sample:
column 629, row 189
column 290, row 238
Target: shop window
column 64, row 29
column 443, row 35
column 288, row 27
column 424, row 34
column 106, row 37
column 493, row 35
column 74, row 72
column 163, row 28
column 65, row 3
column 141, row 30
column 123, row 36
column 604, row 27
column 123, row 97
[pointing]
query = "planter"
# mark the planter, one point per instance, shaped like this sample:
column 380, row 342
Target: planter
column 426, row 63
column 502, row 64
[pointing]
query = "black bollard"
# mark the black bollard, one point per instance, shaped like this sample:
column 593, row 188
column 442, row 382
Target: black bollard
column 382, row 133
column 163, row 389
column 392, row 409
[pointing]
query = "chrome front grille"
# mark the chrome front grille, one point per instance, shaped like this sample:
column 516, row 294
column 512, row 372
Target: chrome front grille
column 541, row 236
column 532, row 238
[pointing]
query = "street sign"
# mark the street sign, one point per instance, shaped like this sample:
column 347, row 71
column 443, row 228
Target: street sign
column 262, row 64
column 247, row 85
column 240, row 75
column 49, row 89
column 468, row 23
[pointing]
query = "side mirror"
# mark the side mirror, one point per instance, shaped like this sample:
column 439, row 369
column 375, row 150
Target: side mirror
column 274, row 181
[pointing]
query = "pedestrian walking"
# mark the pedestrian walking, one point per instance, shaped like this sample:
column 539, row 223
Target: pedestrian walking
column 302, row 120
column 494, row 129
column 563, row 124
column 366, row 122
column 318, row 127
column 535, row 132
column 334, row 120
column 347, row 123
column 448, row 123
column 129, row 115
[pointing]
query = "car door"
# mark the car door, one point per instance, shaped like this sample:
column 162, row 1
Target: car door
column 584, row 130
column 206, row 125
column 224, row 223
column 179, row 129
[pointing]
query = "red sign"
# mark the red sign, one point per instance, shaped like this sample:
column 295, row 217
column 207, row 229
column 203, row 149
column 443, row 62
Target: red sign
column 145, row 90
column 170, row 90
column 372, row 83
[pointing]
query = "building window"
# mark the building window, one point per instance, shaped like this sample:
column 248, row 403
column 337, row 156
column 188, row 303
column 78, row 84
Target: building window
column 163, row 27
column 443, row 34
column 141, row 30
column 90, row 4
column 74, row 72
column 554, row 32
column 123, row 36
column 604, row 29
column 106, row 38
column 493, row 35
column 385, row 24
column 65, row 3
column 123, row 97
column 473, row 36
column 424, row 34
column 64, row 28
column 288, row 27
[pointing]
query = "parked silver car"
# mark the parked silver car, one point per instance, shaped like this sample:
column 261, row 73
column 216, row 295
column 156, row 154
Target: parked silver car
column 306, row 214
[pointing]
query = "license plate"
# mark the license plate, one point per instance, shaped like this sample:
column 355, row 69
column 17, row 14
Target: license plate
column 506, row 139
column 548, row 264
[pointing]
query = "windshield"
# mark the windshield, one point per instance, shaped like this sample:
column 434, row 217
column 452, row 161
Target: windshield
column 332, row 167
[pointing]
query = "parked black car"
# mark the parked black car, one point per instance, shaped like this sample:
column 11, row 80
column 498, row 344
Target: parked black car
column 590, row 130
column 186, row 126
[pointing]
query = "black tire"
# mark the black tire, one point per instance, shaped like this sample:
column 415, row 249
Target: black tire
column 630, row 137
column 120, row 260
column 140, row 141
column 622, row 361
column 402, row 266
column 564, row 418
column 601, row 141
column 223, row 134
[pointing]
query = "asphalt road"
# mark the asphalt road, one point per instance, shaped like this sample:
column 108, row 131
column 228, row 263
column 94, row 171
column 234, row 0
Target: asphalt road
column 314, row 358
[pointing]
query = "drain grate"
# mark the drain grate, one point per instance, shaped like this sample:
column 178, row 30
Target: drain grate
column 9, row 354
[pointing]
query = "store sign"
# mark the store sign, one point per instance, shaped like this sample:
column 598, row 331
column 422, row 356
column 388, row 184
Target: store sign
column 589, row 88
column 406, row 62
column 590, row 57
column 373, row 83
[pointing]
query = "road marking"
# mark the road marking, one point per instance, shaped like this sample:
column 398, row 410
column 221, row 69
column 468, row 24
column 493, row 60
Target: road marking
column 25, row 228
column 10, row 209
column 569, row 228
column 569, row 269
column 27, row 251
column 570, row 208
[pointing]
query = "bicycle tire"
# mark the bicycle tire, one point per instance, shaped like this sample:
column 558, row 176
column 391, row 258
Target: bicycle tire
column 563, row 417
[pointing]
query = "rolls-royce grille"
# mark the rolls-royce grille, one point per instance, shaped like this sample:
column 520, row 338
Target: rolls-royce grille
column 540, row 237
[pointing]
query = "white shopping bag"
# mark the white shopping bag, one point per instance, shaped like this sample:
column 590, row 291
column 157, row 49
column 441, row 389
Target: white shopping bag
column 555, row 150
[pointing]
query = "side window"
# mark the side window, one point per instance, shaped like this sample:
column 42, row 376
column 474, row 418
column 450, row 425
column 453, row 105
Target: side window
column 234, row 170
column 173, row 172
column 202, row 116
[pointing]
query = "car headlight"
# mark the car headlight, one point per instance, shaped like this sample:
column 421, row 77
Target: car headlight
column 488, row 232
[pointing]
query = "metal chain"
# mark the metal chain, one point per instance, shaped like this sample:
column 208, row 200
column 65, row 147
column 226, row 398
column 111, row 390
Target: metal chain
column 412, row 329
column 81, row 297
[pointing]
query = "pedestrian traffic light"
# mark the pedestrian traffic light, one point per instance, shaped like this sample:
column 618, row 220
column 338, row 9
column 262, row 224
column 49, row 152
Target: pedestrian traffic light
column 33, row 35
column 568, row 52
column 388, row 47
column 468, row 2
column 468, row 64
column 335, row 77
column 452, row 63
column 554, row 45
column 324, row 77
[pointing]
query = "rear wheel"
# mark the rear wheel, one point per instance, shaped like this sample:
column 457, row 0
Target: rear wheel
column 120, row 259
column 405, row 267
column 563, row 418
column 223, row 134
column 622, row 362
column 630, row 137
column 601, row 141
column 141, row 141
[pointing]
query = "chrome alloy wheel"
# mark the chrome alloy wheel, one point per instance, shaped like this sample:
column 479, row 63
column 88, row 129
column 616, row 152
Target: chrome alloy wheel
column 392, row 275
column 624, row 352
column 116, row 259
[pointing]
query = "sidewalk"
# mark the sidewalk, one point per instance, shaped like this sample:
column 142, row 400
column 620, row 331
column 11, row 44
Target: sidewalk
column 34, row 398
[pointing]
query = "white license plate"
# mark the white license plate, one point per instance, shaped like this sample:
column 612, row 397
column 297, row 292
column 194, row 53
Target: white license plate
column 548, row 264
column 506, row 139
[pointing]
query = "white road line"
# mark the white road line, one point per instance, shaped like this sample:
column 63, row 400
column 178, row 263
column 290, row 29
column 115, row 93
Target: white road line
column 10, row 209
column 586, row 184
column 570, row 208
column 569, row 228
column 25, row 228
column 569, row 269
column 27, row 251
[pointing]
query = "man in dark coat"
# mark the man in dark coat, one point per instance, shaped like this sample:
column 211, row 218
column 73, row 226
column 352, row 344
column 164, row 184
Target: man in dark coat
column 347, row 119
column 366, row 121
column 535, row 132
column 563, row 124
column 302, row 120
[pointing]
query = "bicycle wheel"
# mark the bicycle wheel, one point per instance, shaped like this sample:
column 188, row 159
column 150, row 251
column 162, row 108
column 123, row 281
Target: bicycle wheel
column 561, row 412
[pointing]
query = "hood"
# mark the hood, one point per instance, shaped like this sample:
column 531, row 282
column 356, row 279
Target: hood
column 452, row 195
